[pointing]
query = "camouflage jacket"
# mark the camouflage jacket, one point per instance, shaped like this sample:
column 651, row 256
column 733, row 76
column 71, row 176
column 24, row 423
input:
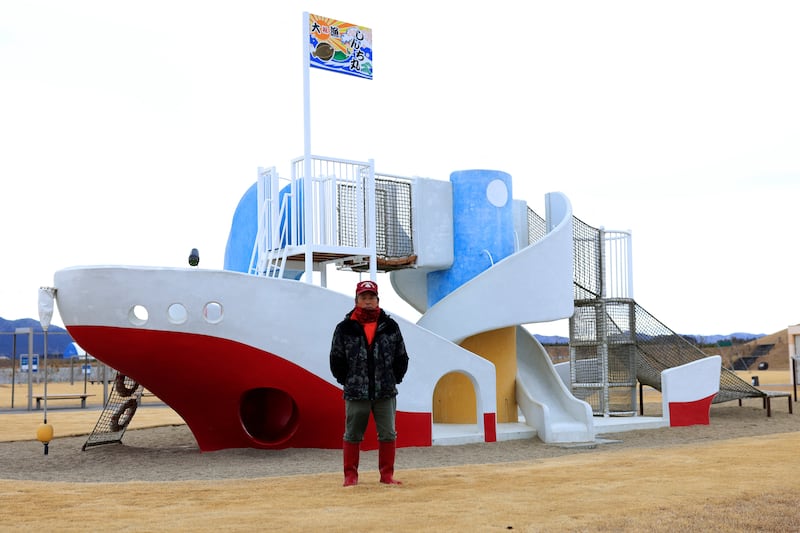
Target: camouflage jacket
column 368, row 372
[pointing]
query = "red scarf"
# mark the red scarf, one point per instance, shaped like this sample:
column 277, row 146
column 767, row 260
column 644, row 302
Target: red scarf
column 365, row 316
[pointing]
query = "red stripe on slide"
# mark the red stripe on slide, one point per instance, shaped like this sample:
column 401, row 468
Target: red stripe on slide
column 690, row 413
column 490, row 427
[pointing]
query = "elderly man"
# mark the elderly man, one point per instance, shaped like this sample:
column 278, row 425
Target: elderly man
column 368, row 358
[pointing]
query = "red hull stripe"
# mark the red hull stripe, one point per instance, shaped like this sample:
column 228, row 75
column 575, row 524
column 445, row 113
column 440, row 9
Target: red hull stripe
column 690, row 413
column 232, row 395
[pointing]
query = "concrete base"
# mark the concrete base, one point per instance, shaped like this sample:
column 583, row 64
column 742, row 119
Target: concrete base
column 455, row 434
column 619, row 424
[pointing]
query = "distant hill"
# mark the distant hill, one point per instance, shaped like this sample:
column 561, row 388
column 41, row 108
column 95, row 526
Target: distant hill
column 551, row 339
column 713, row 339
column 771, row 351
column 57, row 338
column 699, row 339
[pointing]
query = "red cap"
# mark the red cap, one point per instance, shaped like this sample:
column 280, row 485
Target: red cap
column 366, row 286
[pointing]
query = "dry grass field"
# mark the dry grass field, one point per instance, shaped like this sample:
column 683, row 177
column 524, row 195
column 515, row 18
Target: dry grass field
column 740, row 473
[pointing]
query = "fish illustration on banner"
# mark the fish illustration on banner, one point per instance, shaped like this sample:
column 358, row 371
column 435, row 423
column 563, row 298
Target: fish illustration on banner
column 340, row 46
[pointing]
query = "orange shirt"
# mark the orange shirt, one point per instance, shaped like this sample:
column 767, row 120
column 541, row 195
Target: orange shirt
column 369, row 329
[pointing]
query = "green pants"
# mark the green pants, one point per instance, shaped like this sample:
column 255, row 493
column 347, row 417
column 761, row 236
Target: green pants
column 357, row 416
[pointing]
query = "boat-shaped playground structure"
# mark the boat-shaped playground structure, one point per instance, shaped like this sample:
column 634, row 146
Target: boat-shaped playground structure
column 241, row 353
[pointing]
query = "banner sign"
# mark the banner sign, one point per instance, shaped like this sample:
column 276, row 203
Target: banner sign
column 340, row 46
column 23, row 363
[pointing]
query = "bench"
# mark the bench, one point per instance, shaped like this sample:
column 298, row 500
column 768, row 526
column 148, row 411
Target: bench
column 767, row 400
column 776, row 394
column 82, row 397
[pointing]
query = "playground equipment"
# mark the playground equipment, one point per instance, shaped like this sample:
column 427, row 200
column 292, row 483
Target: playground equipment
column 243, row 357
column 241, row 353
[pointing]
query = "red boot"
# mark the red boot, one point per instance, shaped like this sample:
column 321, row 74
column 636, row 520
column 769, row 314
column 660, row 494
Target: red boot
column 350, row 452
column 386, row 451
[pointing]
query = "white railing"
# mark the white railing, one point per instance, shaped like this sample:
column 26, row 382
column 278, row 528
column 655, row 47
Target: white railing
column 617, row 264
column 331, row 178
column 341, row 203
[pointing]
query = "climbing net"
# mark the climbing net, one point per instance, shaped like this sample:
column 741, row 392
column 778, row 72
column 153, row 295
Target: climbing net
column 636, row 346
column 118, row 410
column 660, row 348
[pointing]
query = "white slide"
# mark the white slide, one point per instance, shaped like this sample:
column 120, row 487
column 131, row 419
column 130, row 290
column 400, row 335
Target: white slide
column 544, row 399
column 532, row 285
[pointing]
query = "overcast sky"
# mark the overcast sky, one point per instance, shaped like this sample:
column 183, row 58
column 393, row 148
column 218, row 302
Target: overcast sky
column 129, row 131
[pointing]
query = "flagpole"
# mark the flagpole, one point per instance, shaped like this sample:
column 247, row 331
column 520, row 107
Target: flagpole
column 308, row 220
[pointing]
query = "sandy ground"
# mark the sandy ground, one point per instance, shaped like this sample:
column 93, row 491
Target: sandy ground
column 740, row 473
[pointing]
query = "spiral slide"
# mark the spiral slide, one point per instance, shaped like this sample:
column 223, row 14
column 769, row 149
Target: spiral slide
column 532, row 285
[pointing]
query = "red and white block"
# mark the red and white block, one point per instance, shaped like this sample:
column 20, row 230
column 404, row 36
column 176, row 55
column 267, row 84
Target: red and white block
column 688, row 390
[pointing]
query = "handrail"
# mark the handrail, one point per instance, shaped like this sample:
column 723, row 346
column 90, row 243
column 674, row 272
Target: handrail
column 277, row 261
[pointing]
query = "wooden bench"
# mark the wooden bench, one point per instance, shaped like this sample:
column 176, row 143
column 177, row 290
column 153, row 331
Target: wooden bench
column 82, row 397
column 767, row 400
column 776, row 394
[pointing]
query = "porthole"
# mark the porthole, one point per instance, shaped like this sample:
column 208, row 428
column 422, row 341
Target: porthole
column 177, row 313
column 213, row 312
column 138, row 315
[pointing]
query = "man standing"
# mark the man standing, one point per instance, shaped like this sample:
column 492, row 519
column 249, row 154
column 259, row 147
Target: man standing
column 368, row 358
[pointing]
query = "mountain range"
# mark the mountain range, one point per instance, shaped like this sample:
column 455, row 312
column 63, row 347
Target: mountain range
column 57, row 338
column 698, row 339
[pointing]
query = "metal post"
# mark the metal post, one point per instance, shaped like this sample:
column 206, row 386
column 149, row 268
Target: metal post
column 44, row 369
column 601, row 249
column 371, row 223
column 46, row 303
column 308, row 220
column 30, row 368
column 630, row 263
column 104, row 377
column 83, row 369
column 603, row 353
column 13, row 366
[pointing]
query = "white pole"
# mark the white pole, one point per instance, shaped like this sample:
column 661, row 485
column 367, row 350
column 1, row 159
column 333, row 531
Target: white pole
column 47, row 297
column 45, row 375
column 30, row 369
column 308, row 216
column 630, row 263
column 371, row 223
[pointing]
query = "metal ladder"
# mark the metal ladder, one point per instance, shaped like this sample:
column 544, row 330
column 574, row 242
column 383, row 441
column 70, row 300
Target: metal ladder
column 270, row 249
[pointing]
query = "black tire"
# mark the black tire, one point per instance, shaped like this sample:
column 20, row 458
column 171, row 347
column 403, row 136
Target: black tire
column 122, row 417
column 122, row 389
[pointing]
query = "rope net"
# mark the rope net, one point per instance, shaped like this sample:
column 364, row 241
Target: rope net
column 660, row 348
column 587, row 257
column 118, row 410
column 614, row 341
column 537, row 227
column 394, row 245
column 603, row 373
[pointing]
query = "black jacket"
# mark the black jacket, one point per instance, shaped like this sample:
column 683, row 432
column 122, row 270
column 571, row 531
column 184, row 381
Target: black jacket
column 368, row 372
